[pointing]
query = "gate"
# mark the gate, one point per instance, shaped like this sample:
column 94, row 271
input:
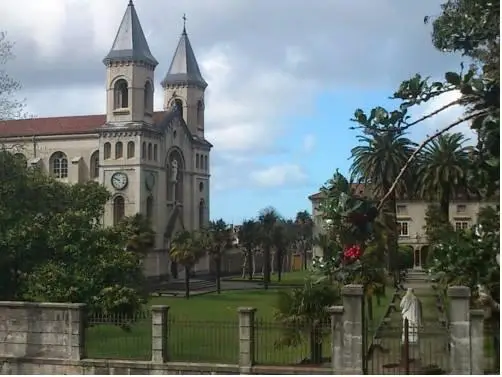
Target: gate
column 386, row 350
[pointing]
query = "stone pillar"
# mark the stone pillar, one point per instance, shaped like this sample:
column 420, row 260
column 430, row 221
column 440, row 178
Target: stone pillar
column 246, row 339
column 477, row 341
column 353, row 296
column 336, row 313
column 77, row 331
column 159, row 333
column 460, row 340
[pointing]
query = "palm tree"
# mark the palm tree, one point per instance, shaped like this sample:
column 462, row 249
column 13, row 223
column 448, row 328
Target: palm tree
column 377, row 161
column 248, row 239
column 305, row 228
column 219, row 239
column 268, row 218
column 186, row 250
column 442, row 170
column 139, row 233
column 283, row 237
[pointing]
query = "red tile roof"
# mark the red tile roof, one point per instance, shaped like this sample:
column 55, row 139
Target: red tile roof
column 79, row 124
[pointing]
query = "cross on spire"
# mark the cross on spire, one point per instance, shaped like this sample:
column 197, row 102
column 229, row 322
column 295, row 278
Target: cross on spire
column 184, row 18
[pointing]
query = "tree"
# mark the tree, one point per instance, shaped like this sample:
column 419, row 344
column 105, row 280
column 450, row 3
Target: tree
column 186, row 250
column 10, row 108
column 376, row 161
column 283, row 238
column 305, row 227
column 437, row 225
column 248, row 239
column 219, row 240
column 268, row 219
column 53, row 248
column 442, row 170
column 139, row 234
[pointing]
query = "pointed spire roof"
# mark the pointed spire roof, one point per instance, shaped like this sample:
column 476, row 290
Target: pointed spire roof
column 130, row 42
column 184, row 69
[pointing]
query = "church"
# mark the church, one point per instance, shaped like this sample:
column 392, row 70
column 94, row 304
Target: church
column 153, row 163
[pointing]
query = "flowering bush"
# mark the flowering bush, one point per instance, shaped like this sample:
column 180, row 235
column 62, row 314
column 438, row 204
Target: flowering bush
column 352, row 253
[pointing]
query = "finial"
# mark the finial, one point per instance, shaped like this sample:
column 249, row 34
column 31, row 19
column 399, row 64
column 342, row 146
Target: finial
column 130, row 3
column 184, row 23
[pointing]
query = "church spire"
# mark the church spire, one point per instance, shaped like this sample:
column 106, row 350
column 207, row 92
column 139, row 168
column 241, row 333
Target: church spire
column 130, row 42
column 184, row 69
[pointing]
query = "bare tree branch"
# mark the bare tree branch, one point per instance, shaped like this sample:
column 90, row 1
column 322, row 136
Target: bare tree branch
column 419, row 149
column 435, row 112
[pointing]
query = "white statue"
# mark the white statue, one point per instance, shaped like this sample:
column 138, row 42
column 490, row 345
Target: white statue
column 174, row 170
column 411, row 309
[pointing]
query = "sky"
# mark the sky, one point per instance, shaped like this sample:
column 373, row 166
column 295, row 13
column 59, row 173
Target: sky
column 285, row 78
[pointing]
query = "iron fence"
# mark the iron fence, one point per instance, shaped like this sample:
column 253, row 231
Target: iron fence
column 280, row 344
column 203, row 341
column 491, row 347
column 116, row 336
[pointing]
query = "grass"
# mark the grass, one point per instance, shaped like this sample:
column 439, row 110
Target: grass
column 203, row 328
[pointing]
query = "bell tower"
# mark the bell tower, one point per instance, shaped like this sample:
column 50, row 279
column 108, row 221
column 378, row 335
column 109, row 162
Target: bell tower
column 184, row 85
column 130, row 74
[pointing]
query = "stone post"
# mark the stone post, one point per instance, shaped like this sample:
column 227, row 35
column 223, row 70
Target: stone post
column 477, row 341
column 159, row 333
column 353, row 296
column 77, row 331
column 460, row 340
column 336, row 313
column 246, row 339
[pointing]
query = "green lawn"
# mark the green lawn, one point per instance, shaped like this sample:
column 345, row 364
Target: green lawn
column 203, row 328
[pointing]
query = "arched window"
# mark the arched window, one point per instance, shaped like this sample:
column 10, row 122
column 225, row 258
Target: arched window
column 130, row 149
column 121, row 94
column 149, row 208
column 119, row 150
column 201, row 213
column 143, row 150
column 148, row 97
column 178, row 103
column 155, row 152
column 206, row 164
column 107, row 151
column 21, row 158
column 94, row 165
column 197, row 161
column 118, row 209
column 200, row 113
column 59, row 164
column 149, row 151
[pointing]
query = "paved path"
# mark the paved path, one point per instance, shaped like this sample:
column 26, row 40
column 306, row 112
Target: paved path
column 433, row 338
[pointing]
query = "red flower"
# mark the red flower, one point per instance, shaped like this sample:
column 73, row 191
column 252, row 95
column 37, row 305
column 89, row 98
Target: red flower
column 352, row 252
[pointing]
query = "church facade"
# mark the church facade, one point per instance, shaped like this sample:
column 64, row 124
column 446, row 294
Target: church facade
column 153, row 163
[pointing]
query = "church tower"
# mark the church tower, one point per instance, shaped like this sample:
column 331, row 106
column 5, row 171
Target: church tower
column 130, row 67
column 184, row 85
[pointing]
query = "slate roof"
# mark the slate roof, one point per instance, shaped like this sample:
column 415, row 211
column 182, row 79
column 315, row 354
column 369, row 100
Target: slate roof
column 130, row 42
column 184, row 69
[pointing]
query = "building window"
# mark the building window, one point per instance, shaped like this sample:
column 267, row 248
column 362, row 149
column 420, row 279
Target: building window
column 201, row 186
column 143, row 150
column 149, row 208
column 200, row 113
column 95, row 165
column 148, row 97
column 149, row 151
column 178, row 104
column 201, row 213
column 401, row 210
column 155, row 152
column 461, row 225
column 121, row 94
column 206, row 165
column 21, row 159
column 403, row 229
column 107, row 151
column 119, row 150
column 118, row 209
column 59, row 163
column 461, row 208
column 130, row 149
column 197, row 161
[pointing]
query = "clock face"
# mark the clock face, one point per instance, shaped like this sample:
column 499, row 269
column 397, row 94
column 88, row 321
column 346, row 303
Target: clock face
column 119, row 180
column 150, row 181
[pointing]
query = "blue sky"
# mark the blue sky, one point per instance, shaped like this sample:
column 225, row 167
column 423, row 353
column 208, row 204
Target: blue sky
column 282, row 85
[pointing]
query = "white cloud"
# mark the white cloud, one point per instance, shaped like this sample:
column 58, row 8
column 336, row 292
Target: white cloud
column 278, row 175
column 308, row 143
